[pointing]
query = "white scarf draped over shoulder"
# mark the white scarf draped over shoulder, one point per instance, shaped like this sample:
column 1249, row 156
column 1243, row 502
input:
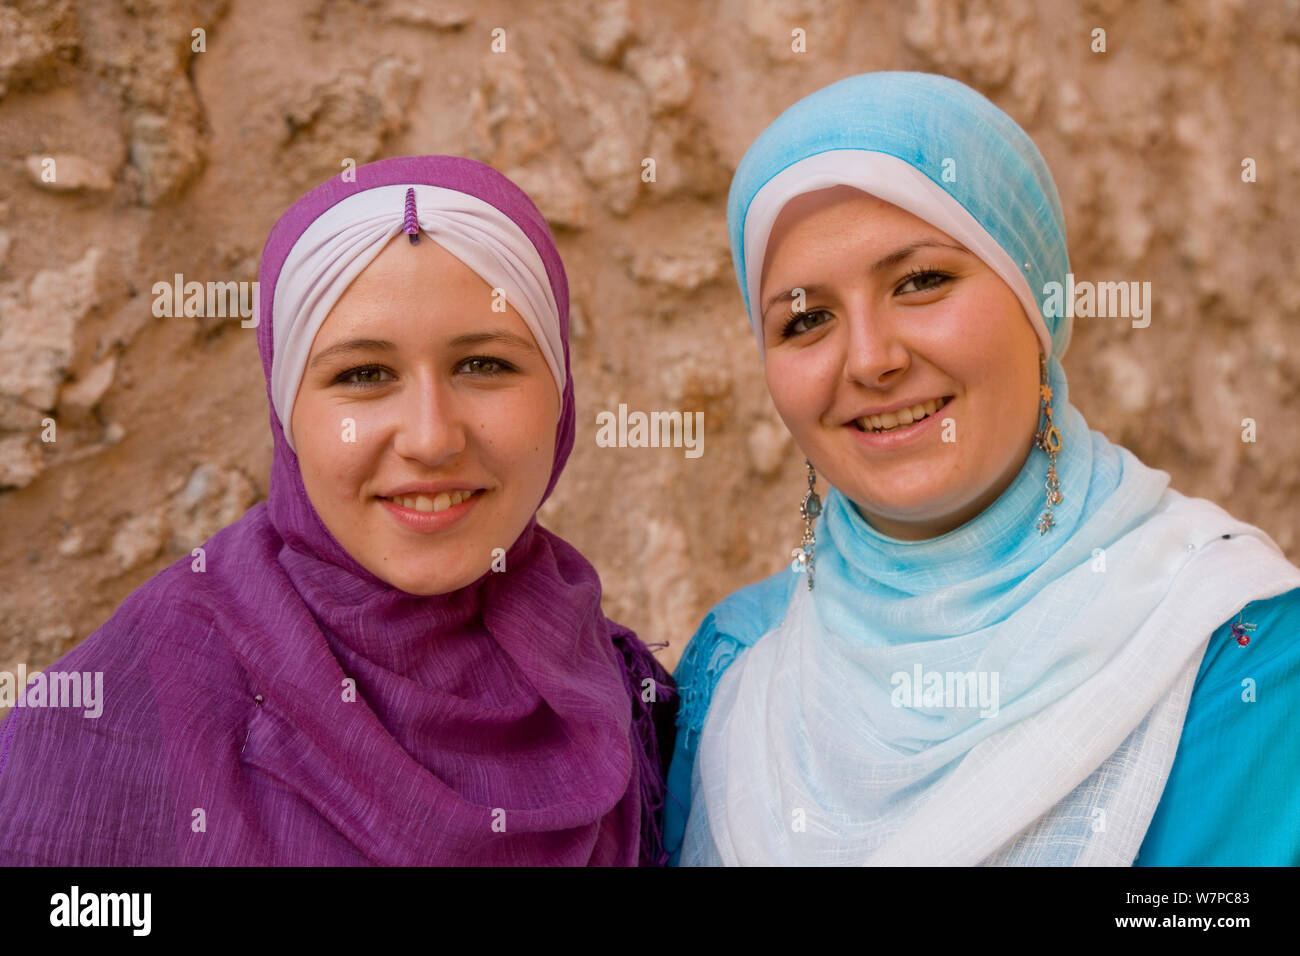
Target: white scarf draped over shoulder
column 835, row 739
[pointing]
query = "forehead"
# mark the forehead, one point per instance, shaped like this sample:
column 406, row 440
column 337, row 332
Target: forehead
column 837, row 211
column 402, row 270
column 418, row 288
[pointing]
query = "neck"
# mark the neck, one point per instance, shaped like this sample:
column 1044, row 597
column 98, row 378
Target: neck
column 908, row 529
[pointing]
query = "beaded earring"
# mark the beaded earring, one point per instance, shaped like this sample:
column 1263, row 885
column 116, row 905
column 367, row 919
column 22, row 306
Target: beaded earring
column 809, row 508
column 1049, row 440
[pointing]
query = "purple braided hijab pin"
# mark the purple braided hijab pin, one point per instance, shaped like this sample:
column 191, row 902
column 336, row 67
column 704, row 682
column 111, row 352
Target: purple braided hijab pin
column 410, row 224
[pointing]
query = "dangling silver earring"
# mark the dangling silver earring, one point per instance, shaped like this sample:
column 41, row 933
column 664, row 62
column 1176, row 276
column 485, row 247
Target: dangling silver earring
column 1049, row 440
column 810, row 508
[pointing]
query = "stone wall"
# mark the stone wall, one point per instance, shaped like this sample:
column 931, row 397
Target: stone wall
column 172, row 160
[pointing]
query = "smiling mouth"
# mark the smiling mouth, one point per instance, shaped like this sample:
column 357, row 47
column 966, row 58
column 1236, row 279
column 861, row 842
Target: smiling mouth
column 903, row 418
column 432, row 504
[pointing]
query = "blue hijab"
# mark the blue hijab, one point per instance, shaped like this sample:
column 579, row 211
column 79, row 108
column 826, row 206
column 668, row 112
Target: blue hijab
column 994, row 171
column 944, row 129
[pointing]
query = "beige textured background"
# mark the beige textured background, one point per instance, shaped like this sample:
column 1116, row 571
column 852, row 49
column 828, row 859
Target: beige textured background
column 181, row 161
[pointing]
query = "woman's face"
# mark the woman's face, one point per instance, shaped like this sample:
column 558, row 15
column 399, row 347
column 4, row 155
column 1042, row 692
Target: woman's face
column 897, row 314
column 444, row 399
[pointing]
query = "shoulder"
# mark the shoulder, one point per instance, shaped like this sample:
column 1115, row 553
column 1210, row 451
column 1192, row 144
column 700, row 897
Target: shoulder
column 1231, row 797
column 167, row 633
column 1270, row 630
column 87, row 741
column 732, row 626
column 1248, row 681
column 173, row 620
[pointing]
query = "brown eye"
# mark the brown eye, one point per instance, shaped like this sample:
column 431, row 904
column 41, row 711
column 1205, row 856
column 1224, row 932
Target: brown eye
column 925, row 280
column 802, row 322
column 361, row 376
column 485, row 365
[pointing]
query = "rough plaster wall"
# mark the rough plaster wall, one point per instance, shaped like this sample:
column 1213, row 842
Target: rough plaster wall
column 172, row 161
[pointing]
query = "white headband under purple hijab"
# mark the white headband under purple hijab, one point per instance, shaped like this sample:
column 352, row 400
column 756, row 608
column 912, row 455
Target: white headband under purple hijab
column 351, row 234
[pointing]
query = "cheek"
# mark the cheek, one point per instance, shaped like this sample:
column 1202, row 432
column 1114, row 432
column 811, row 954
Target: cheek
column 987, row 345
column 802, row 385
column 966, row 336
column 516, row 433
column 334, row 454
column 999, row 370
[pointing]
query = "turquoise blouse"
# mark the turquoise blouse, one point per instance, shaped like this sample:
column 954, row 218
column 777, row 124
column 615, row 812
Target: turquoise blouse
column 1233, row 794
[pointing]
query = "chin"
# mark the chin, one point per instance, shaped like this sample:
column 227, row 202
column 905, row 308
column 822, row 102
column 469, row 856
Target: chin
column 423, row 574
column 904, row 501
column 430, row 585
column 911, row 507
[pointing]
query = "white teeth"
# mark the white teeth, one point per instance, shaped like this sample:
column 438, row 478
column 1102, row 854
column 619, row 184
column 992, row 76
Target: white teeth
column 440, row 502
column 902, row 417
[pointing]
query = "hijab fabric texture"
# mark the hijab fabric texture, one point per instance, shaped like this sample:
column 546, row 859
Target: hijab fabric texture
column 286, row 706
column 855, row 731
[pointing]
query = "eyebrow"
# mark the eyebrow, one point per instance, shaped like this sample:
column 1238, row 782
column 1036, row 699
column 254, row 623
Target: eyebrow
column 353, row 345
column 500, row 336
column 880, row 265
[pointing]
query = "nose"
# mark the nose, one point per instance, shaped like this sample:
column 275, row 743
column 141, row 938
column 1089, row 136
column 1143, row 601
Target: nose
column 877, row 353
column 430, row 428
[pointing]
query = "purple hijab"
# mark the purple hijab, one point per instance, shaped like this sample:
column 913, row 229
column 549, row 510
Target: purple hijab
column 499, row 724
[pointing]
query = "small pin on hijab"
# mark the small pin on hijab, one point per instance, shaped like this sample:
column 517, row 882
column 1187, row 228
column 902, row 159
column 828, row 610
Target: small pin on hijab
column 411, row 225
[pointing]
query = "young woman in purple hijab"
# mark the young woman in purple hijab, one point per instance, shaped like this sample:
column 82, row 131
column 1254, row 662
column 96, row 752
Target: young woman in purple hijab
column 388, row 661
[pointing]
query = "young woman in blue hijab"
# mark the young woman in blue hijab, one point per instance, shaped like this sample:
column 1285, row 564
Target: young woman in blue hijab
column 1004, row 640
